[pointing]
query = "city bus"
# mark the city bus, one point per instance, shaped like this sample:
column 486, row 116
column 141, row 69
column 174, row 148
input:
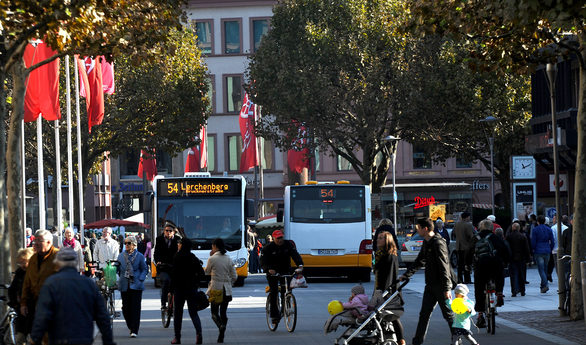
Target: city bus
column 331, row 226
column 206, row 208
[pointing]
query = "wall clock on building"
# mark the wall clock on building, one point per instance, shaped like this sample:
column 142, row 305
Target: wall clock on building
column 523, row 167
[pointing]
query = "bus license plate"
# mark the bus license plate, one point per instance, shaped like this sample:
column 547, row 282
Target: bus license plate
column 415, row 249
column 327, row 251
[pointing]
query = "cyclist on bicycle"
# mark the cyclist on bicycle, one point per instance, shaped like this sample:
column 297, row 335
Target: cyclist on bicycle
column 489, row 264
column 276, row 259
column 165, row 249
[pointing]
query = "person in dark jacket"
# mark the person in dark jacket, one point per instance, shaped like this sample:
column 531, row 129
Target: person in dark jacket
column 440, row 229
column 489, row 267
column 520, row 255
column 165, row 250
column 386, row 272
column 185, row 276
column 15, row 291
column 276, row 259
column 542, row 243
column 438, row 277
column 132, row 272
column 384, row 225
column 58, row 307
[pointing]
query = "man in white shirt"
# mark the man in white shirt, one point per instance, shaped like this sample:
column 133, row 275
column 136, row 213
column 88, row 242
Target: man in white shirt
column 553, row 258
column 106, row 248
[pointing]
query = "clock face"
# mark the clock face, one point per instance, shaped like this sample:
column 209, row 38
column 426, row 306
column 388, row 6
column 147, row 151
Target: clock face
column 523, row 167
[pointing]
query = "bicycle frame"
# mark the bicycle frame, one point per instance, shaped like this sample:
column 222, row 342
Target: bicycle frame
column 7, row 324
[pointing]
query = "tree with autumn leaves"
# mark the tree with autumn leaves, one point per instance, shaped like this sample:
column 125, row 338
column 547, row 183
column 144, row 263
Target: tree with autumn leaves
column 515, row 36
column 134, row 29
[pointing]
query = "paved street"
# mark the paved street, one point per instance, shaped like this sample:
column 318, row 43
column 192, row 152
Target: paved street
column 247, row 323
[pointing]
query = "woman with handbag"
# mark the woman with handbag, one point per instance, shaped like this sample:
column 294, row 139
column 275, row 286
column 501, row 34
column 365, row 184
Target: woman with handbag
column 386, row 272
column 185, row 276
column 132, row 271
column 223, row 274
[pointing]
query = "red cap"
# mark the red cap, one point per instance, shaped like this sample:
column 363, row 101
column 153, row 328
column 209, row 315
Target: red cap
column 277, row 234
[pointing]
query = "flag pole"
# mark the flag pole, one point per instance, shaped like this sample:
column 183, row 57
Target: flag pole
column 69, row 148
column 57, row 184
column 23, row 182
column 79, row 167
column 41, row 174
column 260, row 153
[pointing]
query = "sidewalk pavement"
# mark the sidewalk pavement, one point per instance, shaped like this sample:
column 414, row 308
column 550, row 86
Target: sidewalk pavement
column 535, row 313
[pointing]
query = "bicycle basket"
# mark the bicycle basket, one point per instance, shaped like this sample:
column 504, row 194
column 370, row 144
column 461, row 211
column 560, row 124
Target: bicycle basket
column 110, row 275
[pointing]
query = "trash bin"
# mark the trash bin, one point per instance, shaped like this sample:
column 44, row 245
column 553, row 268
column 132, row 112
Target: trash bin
column 583, row 274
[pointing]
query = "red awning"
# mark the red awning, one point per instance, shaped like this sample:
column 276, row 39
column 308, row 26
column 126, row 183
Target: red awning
column 114, row 222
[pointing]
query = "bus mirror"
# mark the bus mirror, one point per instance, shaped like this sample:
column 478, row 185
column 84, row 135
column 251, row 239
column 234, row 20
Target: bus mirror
column 249, row 208
column 147, row 202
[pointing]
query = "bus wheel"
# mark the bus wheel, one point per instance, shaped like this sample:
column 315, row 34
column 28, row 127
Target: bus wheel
column 239, row 281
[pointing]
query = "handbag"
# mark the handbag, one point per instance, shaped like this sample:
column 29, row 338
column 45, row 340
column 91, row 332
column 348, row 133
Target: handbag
column 298, row 281
column 201, row 300
column 216, row 296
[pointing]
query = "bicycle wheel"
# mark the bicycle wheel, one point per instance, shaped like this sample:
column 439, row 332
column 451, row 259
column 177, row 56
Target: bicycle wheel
column 272, row 326
column 111, row 309
column 491, row 320
column 8, row 331
column 167, row 312
column 290, row 312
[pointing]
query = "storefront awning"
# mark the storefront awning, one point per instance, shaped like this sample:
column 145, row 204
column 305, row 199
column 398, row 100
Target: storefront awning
column 446, row 185
column 483, row 206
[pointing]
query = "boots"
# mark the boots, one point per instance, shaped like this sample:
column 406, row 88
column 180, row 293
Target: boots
column 198, row 339
column 222, row 330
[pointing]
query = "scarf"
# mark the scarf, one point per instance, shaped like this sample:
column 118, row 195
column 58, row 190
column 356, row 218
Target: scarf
column 69, row 244
column 129, row 259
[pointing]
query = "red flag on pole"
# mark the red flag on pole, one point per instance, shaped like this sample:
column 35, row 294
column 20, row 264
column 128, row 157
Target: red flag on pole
column 197, row 157
column 108, row 76
column 92, row 68
column 249, row 156
column 42, row 84
column 148, row 165
column 297, row 157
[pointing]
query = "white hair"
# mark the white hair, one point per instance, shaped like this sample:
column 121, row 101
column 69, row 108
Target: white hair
column 45, row 234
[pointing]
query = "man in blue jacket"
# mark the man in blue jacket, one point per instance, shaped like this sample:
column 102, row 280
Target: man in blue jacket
column 542, row 243
column 68, row 305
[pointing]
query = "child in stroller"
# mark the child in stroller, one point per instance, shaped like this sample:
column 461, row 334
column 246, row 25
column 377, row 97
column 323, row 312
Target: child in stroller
column 378, row 328
column 347, row 313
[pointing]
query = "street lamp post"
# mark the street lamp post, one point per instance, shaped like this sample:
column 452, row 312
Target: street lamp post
column 490, row 120
column 393, row 152
column 551, row 71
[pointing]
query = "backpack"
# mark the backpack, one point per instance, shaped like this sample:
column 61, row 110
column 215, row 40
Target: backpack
column 483, row 248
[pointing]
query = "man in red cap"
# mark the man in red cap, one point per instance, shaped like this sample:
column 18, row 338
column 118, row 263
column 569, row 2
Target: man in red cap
column 276, row 259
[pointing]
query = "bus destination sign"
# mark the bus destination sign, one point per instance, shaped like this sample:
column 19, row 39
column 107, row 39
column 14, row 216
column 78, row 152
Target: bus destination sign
column 198, row 187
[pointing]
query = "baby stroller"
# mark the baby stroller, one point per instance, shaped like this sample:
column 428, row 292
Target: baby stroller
column 377, row 328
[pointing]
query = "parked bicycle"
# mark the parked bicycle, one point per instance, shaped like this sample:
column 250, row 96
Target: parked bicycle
column 286, row 303
column 490, row 306
column 566, row 262
column 106, row 281
column 8, row 324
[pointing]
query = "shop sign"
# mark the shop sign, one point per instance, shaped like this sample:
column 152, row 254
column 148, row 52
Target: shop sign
column 127, row 187
column 423, row 202
column 476, row 185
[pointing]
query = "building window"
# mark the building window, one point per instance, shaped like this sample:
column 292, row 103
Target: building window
column 231, row 36
column 233, row 94
column 268, row 156
column 344, row 164
column 204, row 28
column 211, row 146
column 259, row 28
column 128, row 162
column 234, row 152
column 317, row 159
column 421, row 160
column 463, row 163
column 164, row 163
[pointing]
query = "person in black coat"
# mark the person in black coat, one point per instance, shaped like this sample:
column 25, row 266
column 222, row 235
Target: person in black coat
column 384, row 225
column 440, row 229
column 185, row 276
column 520, row 255
column 165, row 250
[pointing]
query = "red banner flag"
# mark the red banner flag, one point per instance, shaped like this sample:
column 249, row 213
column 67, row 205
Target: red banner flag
column 197, row 157
column 90, row 70
column 249, row 157
column 148, row 165
column 42, row 84
column 297, row 157
column 108, row 77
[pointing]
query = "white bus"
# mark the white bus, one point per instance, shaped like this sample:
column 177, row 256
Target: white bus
column 206, row 208
column 331, row 227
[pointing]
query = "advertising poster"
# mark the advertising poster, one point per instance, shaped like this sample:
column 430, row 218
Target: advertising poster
column 524, row 199
column 437, row 211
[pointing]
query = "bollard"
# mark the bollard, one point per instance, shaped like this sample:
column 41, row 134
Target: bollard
column 583, row 274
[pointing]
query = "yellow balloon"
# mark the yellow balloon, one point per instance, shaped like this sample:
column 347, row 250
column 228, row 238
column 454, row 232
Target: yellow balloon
column 458, row 306
column 335, row 307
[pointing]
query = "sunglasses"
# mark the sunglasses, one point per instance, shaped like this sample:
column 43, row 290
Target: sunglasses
column 128, row 243
column 168, row 230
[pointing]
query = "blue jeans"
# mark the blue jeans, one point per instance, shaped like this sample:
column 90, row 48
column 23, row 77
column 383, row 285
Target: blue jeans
column 517, row 277
column 542, row 260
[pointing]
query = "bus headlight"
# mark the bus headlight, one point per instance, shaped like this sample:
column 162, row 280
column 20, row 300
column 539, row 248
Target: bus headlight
column 239, row 262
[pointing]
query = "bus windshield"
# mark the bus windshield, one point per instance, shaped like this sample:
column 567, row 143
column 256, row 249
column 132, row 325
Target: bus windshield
column 327, row 204
column 205, row 219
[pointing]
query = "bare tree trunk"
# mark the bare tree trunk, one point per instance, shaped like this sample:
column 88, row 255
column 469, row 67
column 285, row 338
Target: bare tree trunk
column 579, row 235
column 13, row 162
column 4, row 243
